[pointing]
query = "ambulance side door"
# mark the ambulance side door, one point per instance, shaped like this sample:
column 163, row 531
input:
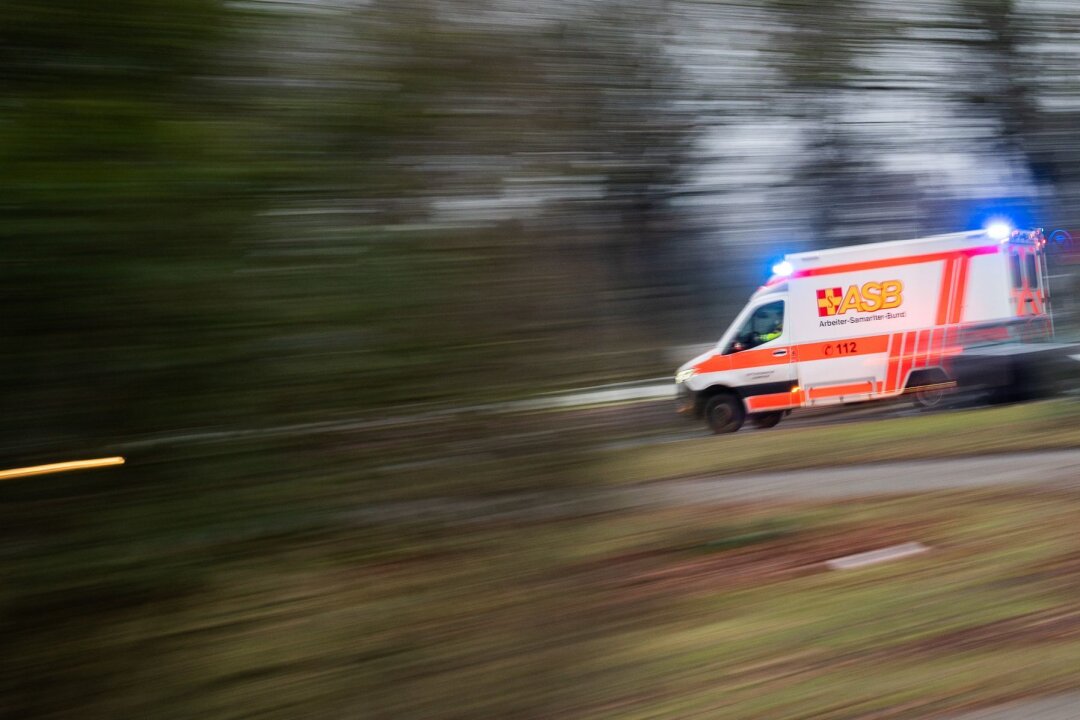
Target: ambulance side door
column 840, row 357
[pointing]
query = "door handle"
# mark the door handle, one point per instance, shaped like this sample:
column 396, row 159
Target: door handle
column 779, row 353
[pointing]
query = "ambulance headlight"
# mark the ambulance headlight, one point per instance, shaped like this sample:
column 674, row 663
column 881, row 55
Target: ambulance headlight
column 782, row 269
column 684, row 375
column 999, row 230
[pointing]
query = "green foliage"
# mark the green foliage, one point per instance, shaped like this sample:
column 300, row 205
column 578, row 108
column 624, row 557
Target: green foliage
column 123, row 190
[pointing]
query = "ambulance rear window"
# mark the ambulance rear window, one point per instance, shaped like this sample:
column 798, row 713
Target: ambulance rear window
column 1032, row 270
column 1014, row 260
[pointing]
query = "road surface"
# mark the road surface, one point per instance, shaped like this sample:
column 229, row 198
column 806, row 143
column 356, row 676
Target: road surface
column 1059, row 468
column 1057, row 707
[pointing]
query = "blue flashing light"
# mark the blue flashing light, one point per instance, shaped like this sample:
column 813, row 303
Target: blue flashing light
column 782, row 269
column 999, row 230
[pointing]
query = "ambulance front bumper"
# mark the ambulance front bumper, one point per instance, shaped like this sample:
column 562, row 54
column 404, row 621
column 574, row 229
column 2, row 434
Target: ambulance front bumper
column 685, row 403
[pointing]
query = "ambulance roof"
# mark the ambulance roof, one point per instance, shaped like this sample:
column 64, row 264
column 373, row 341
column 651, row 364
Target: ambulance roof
column 899, row 248
column 884, row 250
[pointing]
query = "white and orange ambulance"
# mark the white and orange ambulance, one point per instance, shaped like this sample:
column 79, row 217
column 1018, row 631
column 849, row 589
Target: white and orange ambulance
column 869, row 322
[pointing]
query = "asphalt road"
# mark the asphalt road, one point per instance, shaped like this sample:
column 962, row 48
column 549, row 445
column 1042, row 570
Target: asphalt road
column 1059, row 468
column 1058, row 707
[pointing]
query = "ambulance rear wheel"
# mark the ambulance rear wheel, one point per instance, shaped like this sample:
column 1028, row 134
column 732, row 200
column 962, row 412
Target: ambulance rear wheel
column 766, row 420
column 724, row 413
column 929, row 399
column 932, row 386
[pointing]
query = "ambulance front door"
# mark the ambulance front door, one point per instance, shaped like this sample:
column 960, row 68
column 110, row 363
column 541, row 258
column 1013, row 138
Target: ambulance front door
column 761, row 355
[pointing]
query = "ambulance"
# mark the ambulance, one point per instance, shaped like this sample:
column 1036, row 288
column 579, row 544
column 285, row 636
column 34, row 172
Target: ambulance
column 870, row 322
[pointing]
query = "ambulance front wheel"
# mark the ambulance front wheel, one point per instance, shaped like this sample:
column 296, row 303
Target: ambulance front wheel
column 724, row 413
column 766, row 420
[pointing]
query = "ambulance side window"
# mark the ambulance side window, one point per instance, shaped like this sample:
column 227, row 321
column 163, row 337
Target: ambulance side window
column 1014, row 262
column 764, row 325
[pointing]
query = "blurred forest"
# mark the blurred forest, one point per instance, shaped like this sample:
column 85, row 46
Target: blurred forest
column 236, row 214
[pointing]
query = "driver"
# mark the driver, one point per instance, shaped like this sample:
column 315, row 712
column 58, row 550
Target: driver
column 768, row 325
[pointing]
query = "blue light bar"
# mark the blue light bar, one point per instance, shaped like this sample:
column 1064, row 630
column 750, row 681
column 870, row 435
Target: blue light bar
column 782, row 269
column 999, row 230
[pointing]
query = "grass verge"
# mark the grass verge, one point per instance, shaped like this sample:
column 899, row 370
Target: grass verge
column 722, row 612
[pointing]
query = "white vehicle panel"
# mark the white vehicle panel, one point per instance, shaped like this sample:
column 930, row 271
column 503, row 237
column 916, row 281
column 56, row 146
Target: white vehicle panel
column 987, row 295
column 917, row 308
column 861, row 372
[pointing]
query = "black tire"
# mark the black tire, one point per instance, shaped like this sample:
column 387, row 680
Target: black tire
column 724, row 413
column 767, row 420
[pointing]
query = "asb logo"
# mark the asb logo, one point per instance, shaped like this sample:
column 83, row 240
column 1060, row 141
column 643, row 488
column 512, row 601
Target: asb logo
column 870, row 297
